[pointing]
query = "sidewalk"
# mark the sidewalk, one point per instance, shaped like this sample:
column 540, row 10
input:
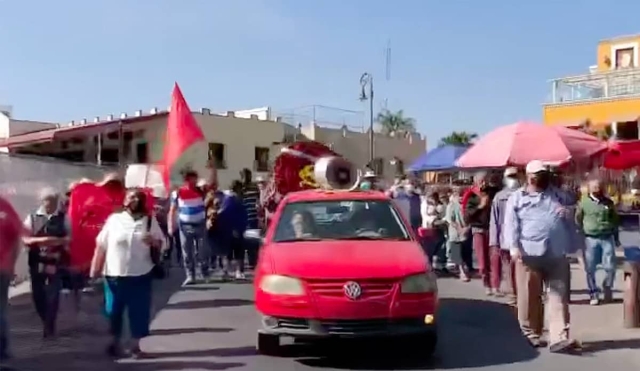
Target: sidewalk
column 82, row 338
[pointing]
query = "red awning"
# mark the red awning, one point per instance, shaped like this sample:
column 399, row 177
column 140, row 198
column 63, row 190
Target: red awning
column 622, row 155
column 87, row 130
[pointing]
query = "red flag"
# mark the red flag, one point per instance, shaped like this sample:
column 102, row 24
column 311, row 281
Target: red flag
column 182, row 132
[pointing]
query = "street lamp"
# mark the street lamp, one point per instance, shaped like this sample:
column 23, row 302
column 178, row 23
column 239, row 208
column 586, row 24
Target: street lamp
column 366, row 80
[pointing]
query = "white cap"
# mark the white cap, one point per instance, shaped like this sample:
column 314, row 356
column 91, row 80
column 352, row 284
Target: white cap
column 510, row 171
column 535, row 166
column 47, row 193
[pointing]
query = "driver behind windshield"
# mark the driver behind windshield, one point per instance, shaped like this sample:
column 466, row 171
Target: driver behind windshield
column 303, row 224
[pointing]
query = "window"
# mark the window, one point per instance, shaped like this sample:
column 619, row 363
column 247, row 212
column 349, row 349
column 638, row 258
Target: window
column 261, row 159
column 216, row 153
column 142, row 153
column 625, row 58
column 340, row 220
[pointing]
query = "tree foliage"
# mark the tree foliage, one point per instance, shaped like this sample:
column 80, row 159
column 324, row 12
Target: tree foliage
column 393, row 123
column 458, row 138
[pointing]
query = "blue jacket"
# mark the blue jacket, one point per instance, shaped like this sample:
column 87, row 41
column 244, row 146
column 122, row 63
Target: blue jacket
column 232, row 217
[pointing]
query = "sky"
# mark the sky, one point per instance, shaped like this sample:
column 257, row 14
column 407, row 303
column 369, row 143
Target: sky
column 455, row 65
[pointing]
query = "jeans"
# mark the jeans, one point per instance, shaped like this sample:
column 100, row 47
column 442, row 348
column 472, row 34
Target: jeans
column 5, row 281
column 600, row 250
column 174, row 247
column 133, row 294
column 45, row 291
column 194, row 252
column 252, row 245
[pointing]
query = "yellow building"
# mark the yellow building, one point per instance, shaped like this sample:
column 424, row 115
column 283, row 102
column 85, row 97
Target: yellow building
column 608, row 96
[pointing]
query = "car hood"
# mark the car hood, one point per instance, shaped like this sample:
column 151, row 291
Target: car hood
column 347, row 259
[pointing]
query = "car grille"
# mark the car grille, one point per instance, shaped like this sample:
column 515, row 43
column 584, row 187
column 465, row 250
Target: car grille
column 346, row 327
column 370, row 288
column 293, row 323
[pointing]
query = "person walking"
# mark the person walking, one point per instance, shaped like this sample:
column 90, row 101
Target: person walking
column 232, row 223
column 124, row 255
column 250, row 196
column 47, row 238
column 187, row 206
column 10, row 232
column 478, row 215
column 538, row 231
column 597, row 218
column 500, row 256
column 457, row 234
column 175, row 245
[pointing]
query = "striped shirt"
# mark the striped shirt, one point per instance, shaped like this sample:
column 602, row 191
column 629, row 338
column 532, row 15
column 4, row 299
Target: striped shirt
column 190, row 204
column 250, row 200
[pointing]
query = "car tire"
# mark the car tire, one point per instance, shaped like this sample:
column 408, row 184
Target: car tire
column 268, row 344
column 424, row 345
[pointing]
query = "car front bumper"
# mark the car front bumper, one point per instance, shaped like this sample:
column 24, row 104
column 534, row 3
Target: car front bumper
column 311, row 328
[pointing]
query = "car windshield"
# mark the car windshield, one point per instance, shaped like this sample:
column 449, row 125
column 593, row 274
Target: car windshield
column 340, row 220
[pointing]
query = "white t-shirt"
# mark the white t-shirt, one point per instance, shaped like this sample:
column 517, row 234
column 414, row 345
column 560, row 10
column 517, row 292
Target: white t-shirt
column 121, row 239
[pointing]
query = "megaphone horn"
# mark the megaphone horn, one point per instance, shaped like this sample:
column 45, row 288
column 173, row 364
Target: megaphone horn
column 336, row 173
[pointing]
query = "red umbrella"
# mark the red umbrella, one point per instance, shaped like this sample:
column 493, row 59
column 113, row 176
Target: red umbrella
column 622, row 155
column 519, row 143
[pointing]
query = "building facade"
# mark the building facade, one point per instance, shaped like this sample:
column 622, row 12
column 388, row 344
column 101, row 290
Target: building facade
column 608, row 96
column 233, row 140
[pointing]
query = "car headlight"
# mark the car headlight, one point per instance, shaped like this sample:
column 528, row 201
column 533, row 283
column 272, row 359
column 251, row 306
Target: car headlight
column 420, row 283
column 281, row 285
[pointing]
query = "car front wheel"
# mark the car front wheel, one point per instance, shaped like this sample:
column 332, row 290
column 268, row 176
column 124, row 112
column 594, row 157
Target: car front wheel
column 268, row 344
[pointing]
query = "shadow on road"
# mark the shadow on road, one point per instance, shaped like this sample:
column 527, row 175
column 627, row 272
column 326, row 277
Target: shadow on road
column 208, row 304
column 185, row 331
column 600, row 346
column 472, row 334
column 177, row 365
column 199, row 288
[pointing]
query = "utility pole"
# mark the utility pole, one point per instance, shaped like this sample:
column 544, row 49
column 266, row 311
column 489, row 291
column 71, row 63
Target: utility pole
column 366, row 80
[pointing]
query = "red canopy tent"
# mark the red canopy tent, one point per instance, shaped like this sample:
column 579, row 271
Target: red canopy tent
column 622, row 155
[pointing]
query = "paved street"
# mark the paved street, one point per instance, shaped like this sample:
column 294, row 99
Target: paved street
column 213, row 327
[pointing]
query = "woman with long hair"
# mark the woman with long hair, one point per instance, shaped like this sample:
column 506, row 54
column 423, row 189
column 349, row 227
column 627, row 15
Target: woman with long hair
column 124, row 254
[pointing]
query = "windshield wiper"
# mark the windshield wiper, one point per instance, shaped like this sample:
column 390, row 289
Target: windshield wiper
column 373, row 238
column 301, row 239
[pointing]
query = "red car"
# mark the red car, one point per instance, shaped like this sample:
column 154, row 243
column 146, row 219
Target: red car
column 343, row 264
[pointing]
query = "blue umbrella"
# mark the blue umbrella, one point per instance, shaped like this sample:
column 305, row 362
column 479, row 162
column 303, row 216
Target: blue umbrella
column 439, row 159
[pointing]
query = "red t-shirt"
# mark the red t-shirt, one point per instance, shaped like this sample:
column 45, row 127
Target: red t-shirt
column 467, row 195
column 10, row 231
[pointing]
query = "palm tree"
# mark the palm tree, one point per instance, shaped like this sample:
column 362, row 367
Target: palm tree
column 393, row 123
column 458, row 138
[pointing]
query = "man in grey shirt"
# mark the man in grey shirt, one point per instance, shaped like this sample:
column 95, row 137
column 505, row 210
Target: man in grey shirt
column 497, row 246
column 538, row 231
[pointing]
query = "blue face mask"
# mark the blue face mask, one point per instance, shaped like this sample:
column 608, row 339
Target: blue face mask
column 365, row 186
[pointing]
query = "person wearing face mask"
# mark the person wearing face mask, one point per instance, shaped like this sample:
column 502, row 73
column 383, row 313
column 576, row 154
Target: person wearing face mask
column 124, row 254
column 499, row 253
column 477, row 215
column 597, row 218
column 539, row 232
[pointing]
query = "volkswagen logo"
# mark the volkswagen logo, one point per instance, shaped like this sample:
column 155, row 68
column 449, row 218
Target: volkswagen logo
column 352, row 290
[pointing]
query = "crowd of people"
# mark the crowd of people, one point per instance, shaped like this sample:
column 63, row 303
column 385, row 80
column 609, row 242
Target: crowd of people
column 197, row 226
column 521, row 229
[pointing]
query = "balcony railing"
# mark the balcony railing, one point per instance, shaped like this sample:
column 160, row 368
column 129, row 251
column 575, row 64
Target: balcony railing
column 596, row 86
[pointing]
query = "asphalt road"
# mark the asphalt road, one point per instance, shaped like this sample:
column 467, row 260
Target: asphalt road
column 213, row 327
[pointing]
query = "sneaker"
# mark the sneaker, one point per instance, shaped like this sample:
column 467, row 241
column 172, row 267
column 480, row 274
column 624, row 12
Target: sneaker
column 87, row 290
column 594, row 301
column 489, row 292
column 188, row 281
column 498, row 293
column 536, row 342
column 65, row 292
column 240, row 275
column 565, row 346
column 136, row 353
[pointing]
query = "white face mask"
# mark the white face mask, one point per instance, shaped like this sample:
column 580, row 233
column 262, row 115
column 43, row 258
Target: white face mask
column 511, row 183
